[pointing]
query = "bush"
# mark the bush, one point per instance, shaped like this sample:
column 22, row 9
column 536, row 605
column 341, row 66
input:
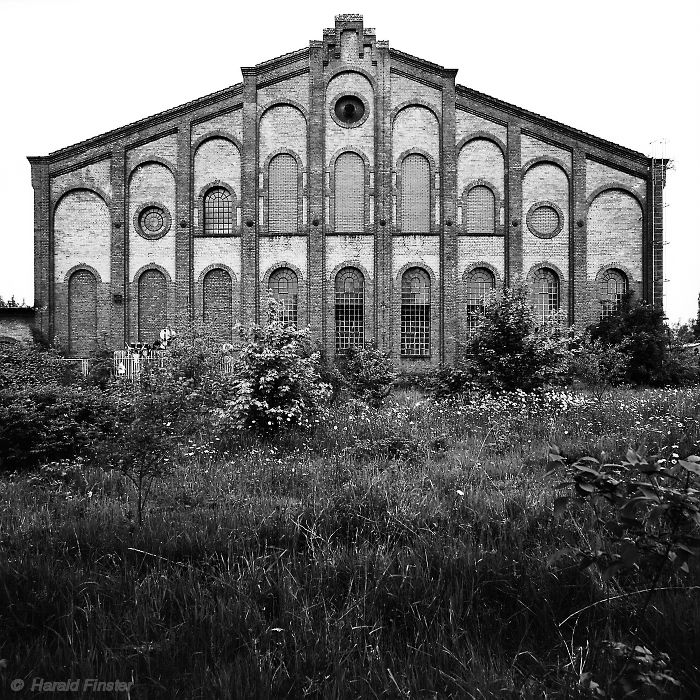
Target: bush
column 509, row 350
column 598, row 366
column 23, row 366
column 368, row 374
column 276, row 384
column 637, row 330
column 38, row 424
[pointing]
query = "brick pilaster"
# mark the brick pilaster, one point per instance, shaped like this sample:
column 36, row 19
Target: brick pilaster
column 514, row 218
column 183, row 226
column 383, row 257
column 316, row 264
column 118, row 251
column 656, row 233
column 43, row 296
column 579, row 293
column 249, row 167
column 448, row 198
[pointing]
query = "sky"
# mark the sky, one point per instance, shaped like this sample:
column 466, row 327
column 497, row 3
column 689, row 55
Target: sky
column 626, row 71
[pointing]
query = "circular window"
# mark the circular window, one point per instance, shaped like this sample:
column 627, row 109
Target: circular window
column 349, row 110
column 152, row 221
column 545, row 220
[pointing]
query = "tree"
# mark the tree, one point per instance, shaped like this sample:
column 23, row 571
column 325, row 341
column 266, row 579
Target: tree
column 638, row 330
column 509, row 350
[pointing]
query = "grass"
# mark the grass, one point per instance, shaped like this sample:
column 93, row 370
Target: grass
column 399, row 552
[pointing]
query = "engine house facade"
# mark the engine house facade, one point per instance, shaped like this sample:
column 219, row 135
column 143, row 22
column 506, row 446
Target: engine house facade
column 374, row 196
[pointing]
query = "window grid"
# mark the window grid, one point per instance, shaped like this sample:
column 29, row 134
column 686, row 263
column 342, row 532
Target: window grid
column 546, row 295
column 152, row 220
column 285, row 287
column 481, row 205
column 349, row 193
column 282, row 191
column 415, row 313
column 349, row 309
column 613, row 288
column 218, row 213
column 480, row 284
column 415, row 194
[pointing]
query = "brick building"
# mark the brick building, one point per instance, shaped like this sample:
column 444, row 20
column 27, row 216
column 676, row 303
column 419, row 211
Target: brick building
column 375, row 196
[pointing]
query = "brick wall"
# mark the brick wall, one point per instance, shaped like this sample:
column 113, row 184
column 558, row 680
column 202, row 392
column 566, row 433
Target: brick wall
column 604, row 194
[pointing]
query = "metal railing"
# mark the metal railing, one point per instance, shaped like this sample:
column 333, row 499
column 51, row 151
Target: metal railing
column 128, row 364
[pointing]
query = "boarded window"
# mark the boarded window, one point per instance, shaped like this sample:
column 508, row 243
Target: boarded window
column 218, row 212
column 613, row 287
column 284, row 286
column 82, row 313
column 152, row 306
column 546, row 293
column 349, row 193
column 217, row 297
column 480, row 284
column 282, row 190
column 415, row 313
column 481, row 206
column 349, row 309
column 415, row 194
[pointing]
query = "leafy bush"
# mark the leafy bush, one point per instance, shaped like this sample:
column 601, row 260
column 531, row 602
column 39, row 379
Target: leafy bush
column 637, row 330
column 368, row 374
column 509, row 350
column 38, row 424
column 598, row 366
column 23, row 365
column 276, row 384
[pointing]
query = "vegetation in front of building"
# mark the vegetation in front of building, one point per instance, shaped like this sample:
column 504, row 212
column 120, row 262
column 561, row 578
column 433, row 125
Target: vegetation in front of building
column 242, row 532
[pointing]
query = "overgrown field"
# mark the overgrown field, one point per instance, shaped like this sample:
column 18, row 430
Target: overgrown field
column 407, row 551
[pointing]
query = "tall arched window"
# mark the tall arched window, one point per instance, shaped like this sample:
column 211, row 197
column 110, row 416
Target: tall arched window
column 216, row 301
column 285, row 288
column 282, row 194
column 480, row 284
column 152, row 306
column 82, row 312
column 415, row 194
column 349, row 193
column 613, row 287
column 218, row 212
column 481, row 210
column 415, row 313
column 546, row 294
column 349, row 309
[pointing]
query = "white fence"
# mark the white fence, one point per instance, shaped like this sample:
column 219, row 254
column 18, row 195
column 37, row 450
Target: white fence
column 127, row 364
column 84, row 364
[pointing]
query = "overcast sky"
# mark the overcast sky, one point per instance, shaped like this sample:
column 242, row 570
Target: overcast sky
column 627, row 71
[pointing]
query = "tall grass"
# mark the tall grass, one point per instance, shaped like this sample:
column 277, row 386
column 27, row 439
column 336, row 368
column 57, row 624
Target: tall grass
column 396, row 552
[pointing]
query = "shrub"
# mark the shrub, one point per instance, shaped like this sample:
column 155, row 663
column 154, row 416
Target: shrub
column 598, row 366
column 637, row 330
column 368, row 374
column 38, row 424
column 276, row 384
column 23, row 365
column 509, row 350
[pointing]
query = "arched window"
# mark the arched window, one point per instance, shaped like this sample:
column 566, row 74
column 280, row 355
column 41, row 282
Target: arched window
column 480, row 284
column 481, row 210
column 349, row 193
column 415, row 313
column 82, row 312
column 415, row 194
column 218, row 212
column 282, row 194
column 152, row 306
column 613, row 287
column 285, row 287
column 349, row 309
column 216, row 301
column 546, row 294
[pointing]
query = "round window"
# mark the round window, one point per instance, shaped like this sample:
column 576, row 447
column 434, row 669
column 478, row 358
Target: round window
column 152, row 221
column 349, row 110
column 544, row 220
